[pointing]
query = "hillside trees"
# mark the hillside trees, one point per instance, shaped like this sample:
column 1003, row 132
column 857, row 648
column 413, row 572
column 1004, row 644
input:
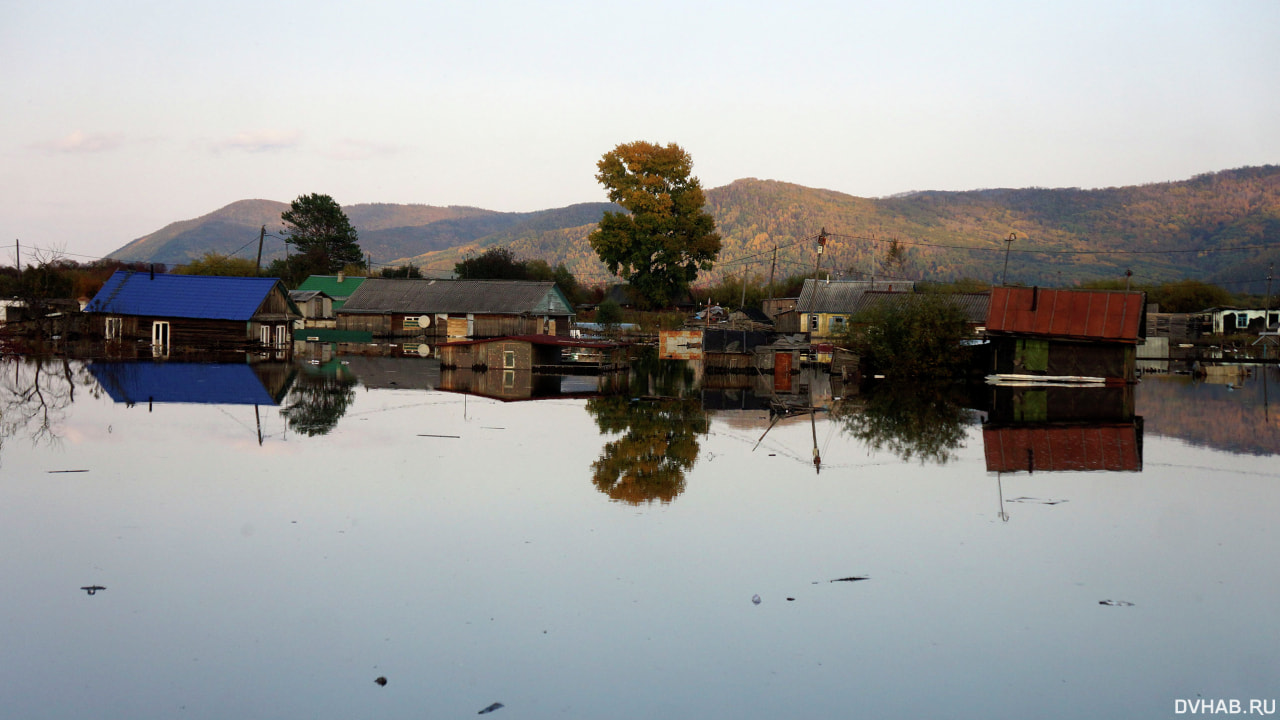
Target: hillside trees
column 666, row 236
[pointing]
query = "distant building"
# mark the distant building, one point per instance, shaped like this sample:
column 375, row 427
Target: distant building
column 315, row 305
column 456, row 308
column 193, row 310
column 338, row 287
column 1238, row 321
column 826, row 306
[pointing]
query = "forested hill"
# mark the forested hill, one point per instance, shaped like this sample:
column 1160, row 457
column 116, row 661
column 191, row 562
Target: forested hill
column 1210, row 227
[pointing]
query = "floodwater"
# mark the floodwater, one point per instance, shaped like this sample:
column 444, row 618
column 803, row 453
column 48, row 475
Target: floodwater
column 205, row 542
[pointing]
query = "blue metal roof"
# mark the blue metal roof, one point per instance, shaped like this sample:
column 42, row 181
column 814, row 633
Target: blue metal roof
column 206, row 297
column 179, row 382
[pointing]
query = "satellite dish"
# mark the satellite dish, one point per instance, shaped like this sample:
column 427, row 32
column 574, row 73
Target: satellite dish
column 424, row 350
column 424, row 321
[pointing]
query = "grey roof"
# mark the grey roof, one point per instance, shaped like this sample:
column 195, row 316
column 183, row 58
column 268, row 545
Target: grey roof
column 301, row 296
column 974, row 305
column 489, row 297
column 841, row 296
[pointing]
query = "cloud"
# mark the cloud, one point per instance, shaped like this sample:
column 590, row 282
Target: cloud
column 349, row 149
column 259, row 141
column 81, row 143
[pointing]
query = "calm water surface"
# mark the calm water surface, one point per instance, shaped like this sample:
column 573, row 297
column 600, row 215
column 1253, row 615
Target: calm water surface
column 598, row 557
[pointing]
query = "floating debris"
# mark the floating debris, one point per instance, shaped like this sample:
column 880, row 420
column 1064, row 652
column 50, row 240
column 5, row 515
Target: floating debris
column 490, row 709
column 455, row 437
column 791, row 599
column 755, row 599
column 851, row 578
column 1115, row 603
column 65, row 471
column 381, row 681
column 91, row 589
column 1035, row 500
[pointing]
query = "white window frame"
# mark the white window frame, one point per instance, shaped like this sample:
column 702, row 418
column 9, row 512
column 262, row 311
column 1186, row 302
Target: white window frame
column 114, row 328
column 282, row 335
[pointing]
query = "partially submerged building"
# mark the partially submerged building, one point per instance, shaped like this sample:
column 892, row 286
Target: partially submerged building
column 202, row 311
column 1069, row 335
column 456, row 308
column 825, row 307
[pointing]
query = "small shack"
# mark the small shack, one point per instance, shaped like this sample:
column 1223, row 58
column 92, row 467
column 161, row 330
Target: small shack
column 1038, row 334
column 338, row 287
column 200, row 311
column 316, row 307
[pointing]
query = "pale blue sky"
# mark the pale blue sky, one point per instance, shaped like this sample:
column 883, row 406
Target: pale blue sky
column 120, row 117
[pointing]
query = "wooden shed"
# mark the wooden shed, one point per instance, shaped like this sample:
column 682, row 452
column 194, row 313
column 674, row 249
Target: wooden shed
column 456, row 308
column 1042, row 334
column 200, row 311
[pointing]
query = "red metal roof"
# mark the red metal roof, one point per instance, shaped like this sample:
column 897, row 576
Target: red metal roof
column 1049, row 449
column 1081, row 314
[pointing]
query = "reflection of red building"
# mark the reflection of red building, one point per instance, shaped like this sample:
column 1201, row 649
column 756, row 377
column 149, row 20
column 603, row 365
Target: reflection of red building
column 1049, row 448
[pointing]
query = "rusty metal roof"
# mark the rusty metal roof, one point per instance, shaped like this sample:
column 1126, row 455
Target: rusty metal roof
column 1113, row 448
column 1115, row 315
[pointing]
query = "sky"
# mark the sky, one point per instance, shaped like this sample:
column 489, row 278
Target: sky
column 119, row 118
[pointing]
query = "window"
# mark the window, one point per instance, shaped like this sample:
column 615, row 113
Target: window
column 508, row 358
column 813, row 323
column 115, row 328
column 282, row 335
column 264, row 334
column 837, row 323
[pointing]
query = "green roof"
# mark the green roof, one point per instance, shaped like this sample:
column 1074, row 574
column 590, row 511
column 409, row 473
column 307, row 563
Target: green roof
column 329, row 285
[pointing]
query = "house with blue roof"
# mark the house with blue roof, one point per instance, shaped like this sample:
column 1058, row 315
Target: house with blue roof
column 203, row 311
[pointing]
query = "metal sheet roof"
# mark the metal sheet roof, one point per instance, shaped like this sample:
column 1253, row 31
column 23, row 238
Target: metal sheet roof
column 1080, row 314
column 331, row 286
column 494, row 297
column 205, row 297
column 1070, row 448
column 841, row 296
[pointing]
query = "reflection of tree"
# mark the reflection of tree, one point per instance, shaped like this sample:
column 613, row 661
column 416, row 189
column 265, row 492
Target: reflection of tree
column 658, row 442
column 911, row 421
column 35, row 394
column 318, row 400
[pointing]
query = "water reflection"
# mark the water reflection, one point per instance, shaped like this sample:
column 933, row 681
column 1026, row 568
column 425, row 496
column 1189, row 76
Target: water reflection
column 319, row 399
column 214, row 383
column 1057, row 429
column 659, row 416
column 36, row 394
column 1233, row 414
column 915, row 422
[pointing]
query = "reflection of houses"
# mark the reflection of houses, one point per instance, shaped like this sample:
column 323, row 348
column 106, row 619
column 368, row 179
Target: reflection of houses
column 534, row 353
column 193, row 310
column 398, row 373
column 1052, row 429
column 456, row 308
column 511, row 385
column 1048, row 334
column 202, row 383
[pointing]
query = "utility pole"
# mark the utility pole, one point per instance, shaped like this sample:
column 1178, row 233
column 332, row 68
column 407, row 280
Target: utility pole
column 1128, row 273
column 1266, row 324
column 743, row 302
column 773, row 267
column 17, row 254
column 261, row 236
column 1008, row 244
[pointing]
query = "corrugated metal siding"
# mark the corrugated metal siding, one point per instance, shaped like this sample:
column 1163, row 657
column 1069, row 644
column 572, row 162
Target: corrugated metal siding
column 1081, row 314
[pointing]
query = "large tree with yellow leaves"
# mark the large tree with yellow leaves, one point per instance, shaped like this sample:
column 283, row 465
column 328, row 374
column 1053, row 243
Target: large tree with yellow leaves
column 666, row 236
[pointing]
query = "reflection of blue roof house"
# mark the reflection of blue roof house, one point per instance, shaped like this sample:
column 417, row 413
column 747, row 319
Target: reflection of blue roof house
column 202, row 383
column 199, row 310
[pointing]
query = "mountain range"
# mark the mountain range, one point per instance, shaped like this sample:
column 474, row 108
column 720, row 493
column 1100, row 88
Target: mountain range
column 1221, row 227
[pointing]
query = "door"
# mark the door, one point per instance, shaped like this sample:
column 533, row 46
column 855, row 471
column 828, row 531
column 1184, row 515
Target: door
column 160, row 333
column 782, row 372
